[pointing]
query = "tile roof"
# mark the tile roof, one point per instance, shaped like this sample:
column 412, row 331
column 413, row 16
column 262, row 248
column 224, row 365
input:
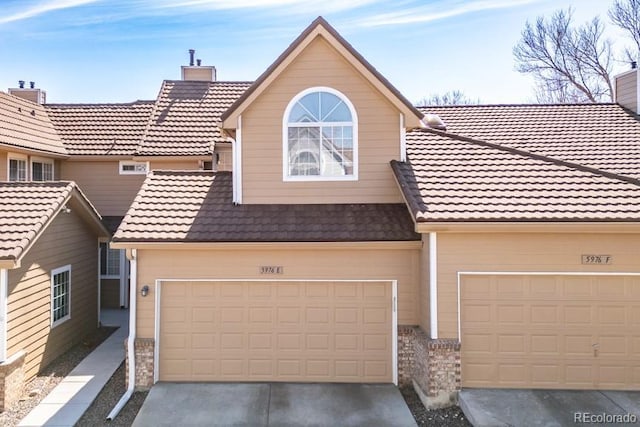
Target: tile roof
column 186, row 115
column 25, row 124
column 101, row 129
column 26, row 207
column 196, row 206
column 448, row 178
column 602, row 136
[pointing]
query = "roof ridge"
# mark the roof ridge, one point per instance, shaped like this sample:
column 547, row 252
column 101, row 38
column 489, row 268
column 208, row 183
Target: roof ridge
column 547, row 159
column 567, row 104
column 210, row 82
column 100, row 104
column 150, row 118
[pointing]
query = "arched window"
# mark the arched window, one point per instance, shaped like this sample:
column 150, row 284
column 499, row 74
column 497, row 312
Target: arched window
column 320, row 137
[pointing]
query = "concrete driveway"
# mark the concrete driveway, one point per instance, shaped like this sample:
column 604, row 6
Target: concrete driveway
column 550, row 408
column 273, row 404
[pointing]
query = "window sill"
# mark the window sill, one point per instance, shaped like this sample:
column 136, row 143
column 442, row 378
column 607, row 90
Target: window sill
column 319, row 178
column 60, row 321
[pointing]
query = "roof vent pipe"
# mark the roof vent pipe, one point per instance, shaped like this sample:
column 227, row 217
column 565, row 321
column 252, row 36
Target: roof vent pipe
column 32, row 85
column 192, row 52
column 21, row 84
column 199, row 62
column 634, row 65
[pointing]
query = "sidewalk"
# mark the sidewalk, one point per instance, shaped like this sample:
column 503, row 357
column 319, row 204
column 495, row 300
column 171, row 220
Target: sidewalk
column 70, row 399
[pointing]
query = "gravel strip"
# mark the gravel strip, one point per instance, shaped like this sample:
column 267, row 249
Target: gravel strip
column 97, row 413
column 38, row 388
column 447, row 417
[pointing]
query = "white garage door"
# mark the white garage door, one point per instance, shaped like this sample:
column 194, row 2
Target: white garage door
column 276, row 331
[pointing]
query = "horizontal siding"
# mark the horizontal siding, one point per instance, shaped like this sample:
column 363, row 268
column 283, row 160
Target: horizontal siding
column 522, row 252
column 626, row 91
column 110, row 192
column 3, row 166
column 400, row 265
column 378, row 137
column 66, row 241
column 176, row 165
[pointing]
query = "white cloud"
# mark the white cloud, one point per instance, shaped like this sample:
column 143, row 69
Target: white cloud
column 326, row 6
column 433, row 13
column 42, row 7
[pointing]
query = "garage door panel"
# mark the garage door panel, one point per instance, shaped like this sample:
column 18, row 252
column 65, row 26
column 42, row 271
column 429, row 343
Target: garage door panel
column 290, row 331
column 560, row 331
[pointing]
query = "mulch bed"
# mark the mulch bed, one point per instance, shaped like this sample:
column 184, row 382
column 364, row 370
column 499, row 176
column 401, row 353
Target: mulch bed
column 447, row 417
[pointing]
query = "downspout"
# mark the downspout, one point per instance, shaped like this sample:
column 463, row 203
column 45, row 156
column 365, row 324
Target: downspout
column 132, row 338
column 433, row 285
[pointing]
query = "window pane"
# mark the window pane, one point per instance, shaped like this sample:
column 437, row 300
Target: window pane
column 311, row 103
column 17, row 170
column 304, row 151
column 47, row 171
column 36, row 171
column 337, row 151
column 113, row 262
column 333, row 108
column 60, row 295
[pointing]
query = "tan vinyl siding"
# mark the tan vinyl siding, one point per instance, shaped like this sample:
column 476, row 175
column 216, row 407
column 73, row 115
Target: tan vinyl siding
column 66, row 241
column 225, row 161
column 175, row 165
column 334, row 264
column 110, row 293
column 627, row 90
column 520, row 252
column 110, row 192
column 4, row 173
column 378, row 142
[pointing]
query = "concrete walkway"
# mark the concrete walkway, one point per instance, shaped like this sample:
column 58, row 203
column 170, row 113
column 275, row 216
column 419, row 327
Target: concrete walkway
column 66, row 403
column 549, row 408
column 273, row 404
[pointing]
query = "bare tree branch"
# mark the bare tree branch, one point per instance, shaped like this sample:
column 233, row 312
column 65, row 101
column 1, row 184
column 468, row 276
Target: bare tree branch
column 626, row 15
column 454, row 97
column 568, row 64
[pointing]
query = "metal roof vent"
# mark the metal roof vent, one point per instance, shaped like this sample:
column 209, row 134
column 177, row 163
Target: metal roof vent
column 433, row 121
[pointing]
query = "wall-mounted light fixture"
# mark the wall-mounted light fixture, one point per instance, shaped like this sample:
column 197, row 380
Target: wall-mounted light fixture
column 144, row 291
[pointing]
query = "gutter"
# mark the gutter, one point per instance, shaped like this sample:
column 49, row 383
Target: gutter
column 131, row 340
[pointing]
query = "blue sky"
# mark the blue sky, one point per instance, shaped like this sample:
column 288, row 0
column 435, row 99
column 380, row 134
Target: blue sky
column 120, row 50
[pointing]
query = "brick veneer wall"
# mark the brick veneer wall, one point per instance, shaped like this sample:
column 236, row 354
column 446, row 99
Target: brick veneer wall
column 406, row 354
column 144, row 348
column 432, row 366
column 11, row 380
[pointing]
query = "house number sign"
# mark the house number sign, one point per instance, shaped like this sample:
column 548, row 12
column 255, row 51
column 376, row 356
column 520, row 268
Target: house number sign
column 597, row 259
column 271, row 269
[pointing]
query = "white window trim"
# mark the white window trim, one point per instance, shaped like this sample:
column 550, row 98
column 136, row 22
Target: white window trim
column 110, row 276
column 13, row 156
column 123, row 163
column 285, row 138
column 42, row 160
column 68, row 316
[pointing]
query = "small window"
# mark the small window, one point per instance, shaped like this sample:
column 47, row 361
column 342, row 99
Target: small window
column 17, row 169
column 60, row 295
column 320, row 137
column 133, row 168
column 109, row 262
column 41, row 170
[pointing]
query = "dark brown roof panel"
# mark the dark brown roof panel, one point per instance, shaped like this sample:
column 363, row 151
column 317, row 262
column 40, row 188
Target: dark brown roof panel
column 196, row 206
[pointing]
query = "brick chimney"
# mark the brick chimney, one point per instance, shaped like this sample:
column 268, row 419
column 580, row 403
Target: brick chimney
column 627, row 90
column 198, row 71
column 32, row 94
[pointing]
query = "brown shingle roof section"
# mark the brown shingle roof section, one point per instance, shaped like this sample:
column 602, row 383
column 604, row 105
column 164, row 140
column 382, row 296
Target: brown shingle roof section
column 196, row 206
column 186, row 116
column 24, row 124
column 602, row 136
column 447, row 178
column 25, row 207
column 101, row 129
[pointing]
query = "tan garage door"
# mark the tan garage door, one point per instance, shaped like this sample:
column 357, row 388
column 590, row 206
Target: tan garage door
column 550, row 331
column 276, row 331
